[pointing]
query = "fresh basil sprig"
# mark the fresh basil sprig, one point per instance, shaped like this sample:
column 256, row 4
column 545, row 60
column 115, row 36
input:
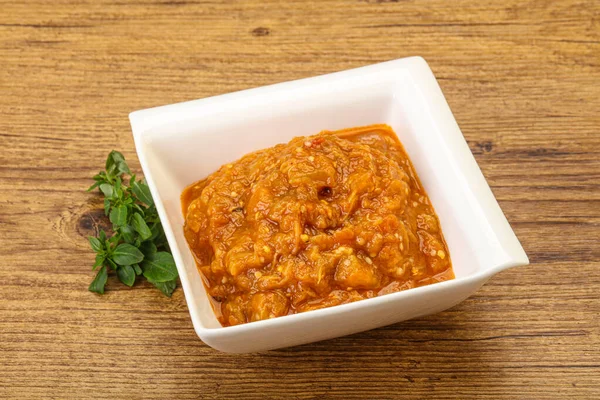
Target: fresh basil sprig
column 138, row 245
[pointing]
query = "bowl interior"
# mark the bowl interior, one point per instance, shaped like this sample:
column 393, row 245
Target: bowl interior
column 194, row 140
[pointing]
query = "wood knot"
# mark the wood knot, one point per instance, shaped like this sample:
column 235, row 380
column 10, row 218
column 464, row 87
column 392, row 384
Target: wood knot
column 92, row 222
column 261, row 31
column 482, row 147
column 485, row 146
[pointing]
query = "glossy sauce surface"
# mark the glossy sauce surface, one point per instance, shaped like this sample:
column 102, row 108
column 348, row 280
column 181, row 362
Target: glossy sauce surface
column 323, row 220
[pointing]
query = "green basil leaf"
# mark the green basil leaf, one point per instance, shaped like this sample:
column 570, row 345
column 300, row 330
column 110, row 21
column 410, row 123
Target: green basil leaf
column 111, row 173
column 126, row 275
column 110, row 163
column 99, row 281
column 123, row 168
column 151, row 214
column 112, row 264
column 99, row 261
column 95, row 185
column 107, row 189
column 166, row 287
column 155, row 229
column 148, row 248
column 141, row 190
column 113, row 241
column 159, row 267
column 127, row 233
column 137, row 269
column 95, row 243
column 106, row 206
column 126, row 254
column 102, row 236
column 114, row 158
column 160, row 240
column 140, row 226
column 139, row 208
column 118, row 215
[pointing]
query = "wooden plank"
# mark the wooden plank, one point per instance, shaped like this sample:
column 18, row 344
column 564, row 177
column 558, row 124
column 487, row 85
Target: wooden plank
column 522, row 79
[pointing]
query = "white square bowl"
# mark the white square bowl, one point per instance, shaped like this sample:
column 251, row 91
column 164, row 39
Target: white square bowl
column 181, row 143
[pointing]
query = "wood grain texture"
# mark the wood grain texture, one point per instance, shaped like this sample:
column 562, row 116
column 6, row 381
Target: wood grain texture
column 523, row 79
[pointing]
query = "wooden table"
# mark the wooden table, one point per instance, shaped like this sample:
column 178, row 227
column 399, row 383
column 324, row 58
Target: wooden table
column 523, row 79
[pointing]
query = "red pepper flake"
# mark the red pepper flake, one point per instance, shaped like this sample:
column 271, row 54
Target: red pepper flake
column 314, row 142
